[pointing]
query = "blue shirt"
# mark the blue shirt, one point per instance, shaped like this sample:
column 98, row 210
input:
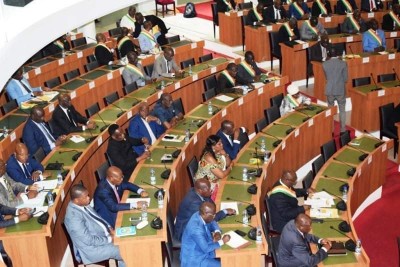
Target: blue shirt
column 164, row 114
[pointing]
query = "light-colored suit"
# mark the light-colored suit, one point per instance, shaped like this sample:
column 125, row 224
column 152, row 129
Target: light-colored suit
column 130, row 76
column 16, row 91
column 91, row 244
column 5, row 198
column 160, row 66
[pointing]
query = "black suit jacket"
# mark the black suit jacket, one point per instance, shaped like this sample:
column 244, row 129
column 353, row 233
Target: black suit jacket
column 222, row 7
column 366, row 7
column 161, row 40
column 269, row 14
column 224, row 86
column 63, row 125
column 316, row 11
column 251, row 18
column 4, row 210
column 341, row 9
column 315, row 54
column 387, row 23
column 283, row 36
column 126, row 47
column 103, row 56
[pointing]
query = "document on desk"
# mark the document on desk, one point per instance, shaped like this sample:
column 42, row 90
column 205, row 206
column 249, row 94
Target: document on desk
column 136, row 200
column 323, row 213
column 77, row 138
column 230, row 205
column 224, row 98
column 47, row 96
column 34, row 202
column 47, row 184
column 320, row 200
column 236, row 240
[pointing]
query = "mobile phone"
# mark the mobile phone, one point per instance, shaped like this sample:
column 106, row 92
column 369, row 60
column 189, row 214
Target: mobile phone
column 135, row 219
column 168, row 137
column 240, row 232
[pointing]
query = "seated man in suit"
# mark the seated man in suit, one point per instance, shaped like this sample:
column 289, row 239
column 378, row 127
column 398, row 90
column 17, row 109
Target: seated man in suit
column 391, row 21
column 299, row 10
column 318, row 52
column 128, row 21
column 226, row 5
column 321, row 8
column 373, row 40
column 165, row 63
column 91, row 235
column 121, row 152
column 288, row 32
column 19, row 89
column 255, row 16
column 19, row 215
column 165, row 111
column 283, row 200
column 124, row 43
column 58, row 46
column 248, row 71
column 134, row 72
column 104, row 55
column 147, row 40
column 371, row 5
column 354, row 23
column 23, row 168
column 108, row 194
column 201, row 238
column 37, row 134
column 67, row 120
column 310, row 30
column 231, row 137
column 294, row 99
column 344, row 7
column 159, row 28
column 13, row 193
column 294, row 245
column 275, row 13
column 145, row 125
column 228, row 79
column 191, row 204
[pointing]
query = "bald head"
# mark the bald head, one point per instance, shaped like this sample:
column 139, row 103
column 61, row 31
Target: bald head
column 303, row 223
column 114, row 175
column 21, row 153
column 168, row 53
column 64, row 100
column 207, row 211
column 37, row 114
column 203, row 187
column 289, row 178
column 100, row 38
column 132, row 57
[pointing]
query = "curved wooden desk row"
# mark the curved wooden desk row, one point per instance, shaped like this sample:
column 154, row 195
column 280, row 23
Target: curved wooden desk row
column 50, row 239
column 369, row 176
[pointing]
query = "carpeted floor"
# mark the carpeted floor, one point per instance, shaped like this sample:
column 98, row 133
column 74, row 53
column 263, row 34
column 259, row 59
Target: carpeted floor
column 203, row 10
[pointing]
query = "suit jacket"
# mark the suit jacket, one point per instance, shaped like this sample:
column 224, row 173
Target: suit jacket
column 336, row 76
column 269, row 14
column 197, row 243
column 34, row 138
column 224, row 86
column 91, row 244
column 131, row 77
column 387, row 23
column 52, row 48
column 154, row 21
column 122, row 154
column 315, row 54
column 341, row 8
column 307, row 34
column 14, row 90
column 15, row 171
column 251, row 18
column 294, row 248
column 283, row 36
column 222, row 7
column 62, row 123
column 316, row 11
column 103, row 55
column 369, row 43
column 284, row 208
column 189, row 206
column 16, row 187
column 160, row 66
column 232, row 150
column 244, row 76
column 293, row 12
column 365, row 6
column 106, row 203
column 137, row 129
column 4, row 210
column 348, row 27
column 126, row 47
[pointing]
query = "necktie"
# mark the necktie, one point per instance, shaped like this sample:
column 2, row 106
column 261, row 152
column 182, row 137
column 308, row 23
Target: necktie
column 25, row 169
column 307, row 245
column 371, row 4
column 116, row 194
column 10, row 191
column 167, row 67
column 70, row 117
column 25, row 87
column 98, row 219
column 47, row 132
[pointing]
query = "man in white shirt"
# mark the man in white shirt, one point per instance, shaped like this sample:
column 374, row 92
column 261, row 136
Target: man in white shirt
column 128, row 20
column 293, row 100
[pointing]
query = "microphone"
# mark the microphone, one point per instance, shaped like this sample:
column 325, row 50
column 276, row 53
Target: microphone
column 118, row 107
column 341, row 205
column 342, row 186
column 255, row 154
column 166, row 173
column 105, row 126
column 277, row 142
column 361, row 157
column 397, row 76
column 90, row 139
column 158, row 189
column 198, row 123
column 75, row 156
column 252, row 189
column 308, row 116
column 176, row 153
column 340, row 232
column 316, row 220
column 376, row 86
column 351, row 171
column 251, row 209
column 288, row 131
column 252, row 233
column 377, row 144
column 349, row 244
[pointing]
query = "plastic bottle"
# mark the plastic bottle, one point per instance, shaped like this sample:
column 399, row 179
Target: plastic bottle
column 266, row 156
column 358, row 246
column 263, row 146
column 344, row 196
column 162, row 84
column 5, row 131
column 259, row 235
column 160, row 200
column 152, row 176
column 59, row 179
column 187, row 136
column 190, row 69
column 210, row 108
column 245, row 218
column 144, row 212
column 50, row 200
column 245, row 176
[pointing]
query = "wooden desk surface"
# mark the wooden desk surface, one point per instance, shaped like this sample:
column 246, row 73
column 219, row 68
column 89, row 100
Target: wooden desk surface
column 230, row 27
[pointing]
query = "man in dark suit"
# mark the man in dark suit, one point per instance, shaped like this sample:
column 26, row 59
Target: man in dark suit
column 318, row 52
column 191, row 204
column 391, row 21
column 121, row 152
column 159, row 28
column 104, row 55
column 108, row 194
column 145, row 125
column 201, row 238
column 283, row 200
column 125, row 44
column 299, row 10
column 36, row 133
column 23, row 168
column 225, row 5
column 59, row 45
column 288, row 32
column 166, row 112
column 354, row 23
column 275, row 13
column 367, row 7
column 294, row 247
column 91, row 235
column 67, row 120
column 321, row 8
column 255, row 16
column 231, row 138
column 228, row 79
column 248, row 71
column 345, row 6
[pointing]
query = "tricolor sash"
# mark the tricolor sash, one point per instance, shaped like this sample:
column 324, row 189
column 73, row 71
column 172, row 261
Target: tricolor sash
column 313, row 29
column 229, row 5
column 258, row 16
column 395, row 18
column 122, row 41
column 248, row 68
column 229, row 77
column 288, row 29
column 289, row 2
column 298, row 9
column 130, row 18
column 149, row 36
column 322, row 7
column 105, row 46
column 134, row 69
column 284, row 190
column 59, row 44
column 355, row 23
column 375, row 36
column 293, row 101
column 347, row 6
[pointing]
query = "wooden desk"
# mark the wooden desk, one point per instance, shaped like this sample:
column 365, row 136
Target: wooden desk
column 257, row 40
column 230, row 27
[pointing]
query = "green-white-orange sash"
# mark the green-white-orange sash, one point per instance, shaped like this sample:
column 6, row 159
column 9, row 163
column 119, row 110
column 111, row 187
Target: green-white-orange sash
column 59, row 44
column 293, row 101
column 122, row 41
column 105, row 46
column 298, row 9
column 258, row 16
column 289, row 2
column 355, row 23
column 395, row 18
column 313, row 29
column 149, row 36
column 248, row 68
column 347, row 5
column 134, row 69
column 229, row 77
column 228, row 4
column 130, row 18
column 322, row 7
column 288, row 29
column 284, row 190
column 375, row 36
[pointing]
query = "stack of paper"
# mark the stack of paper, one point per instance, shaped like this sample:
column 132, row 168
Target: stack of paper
column 224, row 98
column 47, row 184
column 322, row 213
column 230, row 205
column 47, row 96
column 136, row 200
column 320, row 200
column 77, row 138
column 236, row 240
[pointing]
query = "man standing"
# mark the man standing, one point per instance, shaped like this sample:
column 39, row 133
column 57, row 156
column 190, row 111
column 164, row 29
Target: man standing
column 108, row 194
column 336, row 77
column 165, row 63
column 294, row 247
column 231, row 138
column 165, row 111
column 248, row 71
column 201, row 238
column 67, row 120
column 318, row 52
column 91, row 235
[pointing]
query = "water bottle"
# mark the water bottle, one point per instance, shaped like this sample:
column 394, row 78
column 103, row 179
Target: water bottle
column 244, row 90
column 259, row 235
column 266, row 156
column 237, row 8
column 358, row 246
column 190, row 69
column 50, row 200
column 245, row 219
column 344, row 54
column 162, row 85
column 63, row 53
column 187, row 136
column 210, row 108
column 5, row 131
column 344, row 196
column 144, row 212
column 160, row 200
column 152, row 176
column 244, row 175
column 263, row 146
column 59, row 179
